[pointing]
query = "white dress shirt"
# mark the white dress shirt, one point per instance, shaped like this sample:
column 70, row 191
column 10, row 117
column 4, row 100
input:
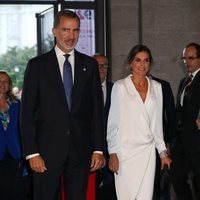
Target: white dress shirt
column 104, row 90
column 61, row 59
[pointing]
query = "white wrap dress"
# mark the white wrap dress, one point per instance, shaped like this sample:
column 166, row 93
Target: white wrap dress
column 134, row 131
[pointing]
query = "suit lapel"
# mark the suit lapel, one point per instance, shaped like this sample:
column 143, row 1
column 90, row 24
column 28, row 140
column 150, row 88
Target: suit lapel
column 55, row 76
column 108, row 93
column 80, row 73
column 181, row 88
column 2, row 131
column 190, row 91
column 151, row 96
column 137, row 99
column 194, row 83
column 13, row 109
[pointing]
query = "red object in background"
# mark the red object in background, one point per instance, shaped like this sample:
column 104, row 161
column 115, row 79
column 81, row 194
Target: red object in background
column 91, row 188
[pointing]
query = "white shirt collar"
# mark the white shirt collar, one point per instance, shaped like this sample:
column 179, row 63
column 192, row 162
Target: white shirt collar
column 59, row 52
column 194, row 73
column 104, row 83
column 61, row 59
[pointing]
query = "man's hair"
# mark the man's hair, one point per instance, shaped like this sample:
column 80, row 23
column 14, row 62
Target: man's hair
column 67, row 14
column 101, row 55
column 196, row 46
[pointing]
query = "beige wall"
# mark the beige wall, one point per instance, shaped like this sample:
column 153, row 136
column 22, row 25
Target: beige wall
column 167, row 26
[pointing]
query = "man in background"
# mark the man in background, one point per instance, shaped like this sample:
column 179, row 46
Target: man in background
column 186, row 148
column 105, row 187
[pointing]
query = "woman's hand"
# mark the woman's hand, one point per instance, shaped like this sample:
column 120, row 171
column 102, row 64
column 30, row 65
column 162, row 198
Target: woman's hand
column 114, row 163
column 198, row 123
column 166, row 161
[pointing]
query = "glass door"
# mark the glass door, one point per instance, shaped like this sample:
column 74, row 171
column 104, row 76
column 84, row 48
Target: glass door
column 45, row 39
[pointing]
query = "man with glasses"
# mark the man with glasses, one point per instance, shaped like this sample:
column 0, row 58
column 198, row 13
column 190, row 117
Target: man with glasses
column 186, row 149
column 105, row 188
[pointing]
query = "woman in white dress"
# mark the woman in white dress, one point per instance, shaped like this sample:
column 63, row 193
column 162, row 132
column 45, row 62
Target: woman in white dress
column 135, row 129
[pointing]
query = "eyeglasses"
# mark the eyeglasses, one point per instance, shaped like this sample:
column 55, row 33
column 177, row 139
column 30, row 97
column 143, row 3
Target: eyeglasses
column 105, row 66
column 190, row 58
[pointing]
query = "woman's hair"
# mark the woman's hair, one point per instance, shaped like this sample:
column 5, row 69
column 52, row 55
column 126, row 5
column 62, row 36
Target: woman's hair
column 137, row 49
column 9, row 94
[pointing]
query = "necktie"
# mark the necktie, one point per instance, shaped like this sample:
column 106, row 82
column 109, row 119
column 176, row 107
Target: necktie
column 187, row 87
column 67, row 80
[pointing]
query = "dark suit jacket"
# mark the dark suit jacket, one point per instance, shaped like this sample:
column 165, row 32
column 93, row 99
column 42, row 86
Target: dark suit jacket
column 109, row 86
column 187, row 115
column 105, row 188
column 47, row 126
column 9, row 139
column 168, row 109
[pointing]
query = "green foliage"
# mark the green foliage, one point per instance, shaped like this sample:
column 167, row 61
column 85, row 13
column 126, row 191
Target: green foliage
column 14, row 61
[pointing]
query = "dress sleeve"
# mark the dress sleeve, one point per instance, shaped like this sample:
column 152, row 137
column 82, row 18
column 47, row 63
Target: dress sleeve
column 113, row 120
column 158, row 133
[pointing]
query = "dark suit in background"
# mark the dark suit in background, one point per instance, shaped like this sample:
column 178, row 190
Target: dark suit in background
column 109, row 86
column 69, row 141
column 186, row 150
column 162, row 183
column 105, row 186
column 168, row 109
column 105, row 177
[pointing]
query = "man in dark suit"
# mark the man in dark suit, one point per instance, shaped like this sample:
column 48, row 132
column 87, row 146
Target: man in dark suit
column 186, row 150
column 105, row 187
column 62, row 132
column 162, row 183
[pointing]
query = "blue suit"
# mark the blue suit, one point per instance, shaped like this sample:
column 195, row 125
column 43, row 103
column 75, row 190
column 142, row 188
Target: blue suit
column 9, row 138
column 10, row 157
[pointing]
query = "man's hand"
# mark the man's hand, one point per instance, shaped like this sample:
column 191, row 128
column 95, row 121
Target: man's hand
column 37, row 164
column 114, row 163
column 97, row 162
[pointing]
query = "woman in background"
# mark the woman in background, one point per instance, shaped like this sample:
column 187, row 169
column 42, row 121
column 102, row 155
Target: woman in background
column 135, row 129
column 10, row 151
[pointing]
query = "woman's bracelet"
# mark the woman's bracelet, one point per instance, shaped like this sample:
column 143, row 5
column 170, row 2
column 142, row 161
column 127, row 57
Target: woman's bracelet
column 163, row 154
